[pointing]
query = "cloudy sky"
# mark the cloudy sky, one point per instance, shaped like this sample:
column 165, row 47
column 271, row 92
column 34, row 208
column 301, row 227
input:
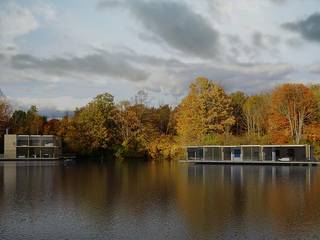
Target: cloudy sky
column 60, row 54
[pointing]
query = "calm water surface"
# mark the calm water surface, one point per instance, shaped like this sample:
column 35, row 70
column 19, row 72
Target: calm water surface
column 123, row 200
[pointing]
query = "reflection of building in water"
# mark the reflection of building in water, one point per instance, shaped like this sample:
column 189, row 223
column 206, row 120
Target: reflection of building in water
column 236, row 174
column 9, row 177
column 27, row 177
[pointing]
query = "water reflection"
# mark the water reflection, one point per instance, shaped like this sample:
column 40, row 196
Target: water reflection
column 158, row 200
column 252, row 200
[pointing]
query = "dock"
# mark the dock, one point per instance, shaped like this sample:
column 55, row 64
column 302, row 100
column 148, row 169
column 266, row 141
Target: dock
column 274, row 163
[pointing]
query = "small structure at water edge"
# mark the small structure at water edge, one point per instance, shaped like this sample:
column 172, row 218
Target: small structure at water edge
column 31, row 147
column 250, row 154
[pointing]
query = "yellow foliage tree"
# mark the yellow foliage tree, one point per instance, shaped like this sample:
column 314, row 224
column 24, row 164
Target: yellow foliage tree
column 206, row 110
column 255, row 110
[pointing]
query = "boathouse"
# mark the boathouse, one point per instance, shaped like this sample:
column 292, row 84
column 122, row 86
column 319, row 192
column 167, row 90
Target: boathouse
column 247, row 153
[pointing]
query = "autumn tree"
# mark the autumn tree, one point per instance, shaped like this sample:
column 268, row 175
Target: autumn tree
column 18, row 122
column 127, row 121
column 206, row 110
column 238, row 100
column 95, row 123
column 34, row 121
column 255, row 110
column 5, row 112
column 294, row 106
column 51, row 127
column 315, row 88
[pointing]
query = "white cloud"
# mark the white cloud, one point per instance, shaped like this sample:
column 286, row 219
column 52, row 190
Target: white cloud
column 15, row 21
column 63, row 103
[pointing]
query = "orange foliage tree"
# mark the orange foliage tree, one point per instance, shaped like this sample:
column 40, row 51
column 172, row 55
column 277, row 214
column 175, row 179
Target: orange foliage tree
column 293, row 107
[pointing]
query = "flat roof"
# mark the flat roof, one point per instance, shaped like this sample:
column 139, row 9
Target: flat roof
column 32, row 135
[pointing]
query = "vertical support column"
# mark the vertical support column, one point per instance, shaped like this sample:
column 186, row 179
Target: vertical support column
column 273, row 154
column 187, row 155
column 232, row 153
column 28, row 146
column 308, row 151
column 203, row 154
column 222, row 154
column 212, row 152
column 261, row 153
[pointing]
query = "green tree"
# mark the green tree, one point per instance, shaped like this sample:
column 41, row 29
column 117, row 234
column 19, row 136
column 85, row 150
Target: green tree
column 18, row 122
column 95, row 123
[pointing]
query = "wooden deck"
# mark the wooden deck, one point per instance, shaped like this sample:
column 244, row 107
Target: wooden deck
column 292, row 163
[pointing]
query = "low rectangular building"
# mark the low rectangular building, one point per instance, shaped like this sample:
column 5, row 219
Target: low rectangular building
column 288, row 153
column 31, row 146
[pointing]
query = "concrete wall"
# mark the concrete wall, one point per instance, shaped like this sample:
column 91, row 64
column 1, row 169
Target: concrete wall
column 10, row 141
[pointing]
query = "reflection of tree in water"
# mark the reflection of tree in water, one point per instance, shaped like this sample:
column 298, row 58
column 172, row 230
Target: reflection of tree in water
column 272, row 198
column 208, row 201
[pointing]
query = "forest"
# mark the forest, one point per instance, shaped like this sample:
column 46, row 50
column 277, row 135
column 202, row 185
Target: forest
column 289, row 113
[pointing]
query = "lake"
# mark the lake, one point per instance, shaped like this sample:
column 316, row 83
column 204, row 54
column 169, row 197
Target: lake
column 158, row 200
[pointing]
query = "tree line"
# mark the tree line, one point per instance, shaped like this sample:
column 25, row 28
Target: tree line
column 290, row 113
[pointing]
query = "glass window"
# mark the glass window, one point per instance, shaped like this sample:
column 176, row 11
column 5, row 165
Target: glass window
column 208, row 153
column 255, row 153
column 47, row 152
column 34, row 152
column 246, row 153
column 217, row 153
column 267, row 153
column 23, row 141
column 35, row 140
column 22, row 152
column 227, row 153
column 195, row 153
column 47, row 141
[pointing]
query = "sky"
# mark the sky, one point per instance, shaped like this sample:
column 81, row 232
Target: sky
column 60, row 54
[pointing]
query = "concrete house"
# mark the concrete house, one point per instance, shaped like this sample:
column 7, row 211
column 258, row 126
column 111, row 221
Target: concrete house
column 31, row 146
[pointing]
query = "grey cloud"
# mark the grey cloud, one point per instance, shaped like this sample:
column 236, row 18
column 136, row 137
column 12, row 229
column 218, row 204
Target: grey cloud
column 108, row 4
column 265, row 41
column 278, row 1
column 177, row 25
column 294, row 42
column 314, row 68
column 247, row 77
column 257, row 40
column 100, row 64
column 308, row 28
